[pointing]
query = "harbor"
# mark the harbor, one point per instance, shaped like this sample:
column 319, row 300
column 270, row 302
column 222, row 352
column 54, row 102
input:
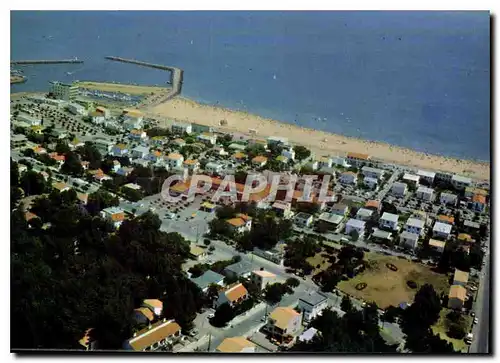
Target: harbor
column 46, row 61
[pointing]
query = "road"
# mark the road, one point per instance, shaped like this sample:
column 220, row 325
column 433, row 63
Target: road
column 481, row 330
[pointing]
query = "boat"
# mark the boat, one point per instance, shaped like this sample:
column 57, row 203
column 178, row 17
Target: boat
column 69, row 73
column 274, row 77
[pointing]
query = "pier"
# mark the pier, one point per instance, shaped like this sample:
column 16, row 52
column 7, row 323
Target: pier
column 176, row 75
column 44, row 61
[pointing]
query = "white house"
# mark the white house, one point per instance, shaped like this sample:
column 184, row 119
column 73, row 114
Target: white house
column 240, row 223
column 77, row 109
column 303, row 220
column 355, row 225
column 213, row 168
column 370, row 182
column 192, row 165
column 364, row 214
column 357, row 159
column 174, row 160
column 340, row 161
column 312, row 305
column 132, row 119
column 409, row 239
column 424, row 193
column 259, row 161
column 233, row 295
column 427, row 176
column 399, row 189
column 414, row 225
column 460, row 182
column 140, row 152
column 411, row 178
column 181, row 128
column 207, row 138
column 275, row 140
column 97, row 117
column 32, row 121
column 282, row 209
column 441, row 230
column 389, row 221
column 137, row 134
column 288, row 153
column 348, row 177
column 119, row 150
column 448, row 198
column 326, row 162
column 437, row 245
column 284, row 321
column 372, row 172
column 262, row 278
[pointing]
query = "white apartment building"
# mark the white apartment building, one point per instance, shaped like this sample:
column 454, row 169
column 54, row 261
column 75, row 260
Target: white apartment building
column 448, row 198
column 414, row 225
column 424, row 193
column 399, row 189
column 389, row 221
column 370, row 172
column 174, row 160
column 427, row 175
column 181, row 128
column 460, row 182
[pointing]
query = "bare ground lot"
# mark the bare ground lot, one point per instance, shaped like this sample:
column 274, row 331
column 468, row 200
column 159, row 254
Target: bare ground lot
column 386, row 287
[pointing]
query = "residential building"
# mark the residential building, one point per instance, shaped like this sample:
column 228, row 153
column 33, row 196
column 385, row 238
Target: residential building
column 288, row 153
column 303, row 220
column 119, row 150
column 114, row 215
column 399, row 189
column 312, row 305
column 97, row 118
column 374, row 205
column 64, row 91
column 355, row 225
column 155, row 305
column 425, row 194
column 30, row 120
column 261, row 279
column 370, row 172
column 470, row 191
column 77, row 109
column 236, row 345
column 18, row 141
column 460, row 278
column 275, row 140
column 240, row 223
column 364, row 214
column 460, row 182
column 325, row 162
column 471, row 226
column 234, row 295
column 174, row 160
column 409, row 240
column 465, row 238
column 60, row 187
column 308, row 335
column 207, row 138
column 282, row 159
column 197, row 253
column 446, row 219
column 371, row 183
column 282, row 209
column 198, row 129
column 239, row 269
column 192, row 165
column 340, row 209
column 415, row 225
column 133, row 186
column 443, row 177
column 214, row 168
column 75, row 143
column 143, row 315
column 208, row 278
column 181, row 128
column 358, row 159
column 428, row 176
column 140, row 152
column 155, row 156
column 379, row 235
column 389, row 221
column 137, row 134
column 159, row 335
column 237, row 147
column 330, row 221
column 239, row 157
column 132, row 119
column 441, row 230
column 340, row 161
column 259, row 161
column 437, row 245
column 457, row 297
column 348, row 177
column 411, row 179
column 479, row 203
column 103, row 111
column 125, row 171
column 179, row 142
column 104, row 146
column 284, row 323
column 448, row 198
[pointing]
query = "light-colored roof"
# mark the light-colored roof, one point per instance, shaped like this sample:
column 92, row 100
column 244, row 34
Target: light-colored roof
column 472, row 224
column 436, row 243
column 196, row 251
column 461, row 276
column 314, row 298
column 263, row 273
column 461, row 179
column 399, row 185
column 464, row 237
column 363, row 212
column 358, row 156
column 422, row 189
column 411, row 177
column 410, row 236
column 281, row 205
column 346, row 173
column 259, row 159
column 371, row 170
column 59, row 186
column 282, row 316
column 355, row 223
column 174, row 156
column 331, row 217
column 154, row 303
column 121, row 146
column 82, row 197
column 239, row 155
column 458, row 292
column 428, row 174
column 442, row 227
column 390, row 217
column 378, row 233
column 158, row 331
column 208, row 278
column 234, row 345
column 414, row 222
column 236, row 292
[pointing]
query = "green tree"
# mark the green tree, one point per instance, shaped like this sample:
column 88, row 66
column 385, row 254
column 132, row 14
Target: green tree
column 223, row 315
column 72, row 165
column 354, row 235
column 14, row 173
column 346, row 304
column 301, row 152
column 33, row 183
column 292, row 282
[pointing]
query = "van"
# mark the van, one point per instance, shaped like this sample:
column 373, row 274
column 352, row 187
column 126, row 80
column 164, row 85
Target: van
column 468, row 338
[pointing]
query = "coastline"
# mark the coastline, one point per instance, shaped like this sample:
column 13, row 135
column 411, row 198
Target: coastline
column 322, row 143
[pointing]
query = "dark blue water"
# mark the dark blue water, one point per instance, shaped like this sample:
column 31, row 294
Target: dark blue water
column 415, row 79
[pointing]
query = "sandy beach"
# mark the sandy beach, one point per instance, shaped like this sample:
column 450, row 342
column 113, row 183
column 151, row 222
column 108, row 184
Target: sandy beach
column 320, row 142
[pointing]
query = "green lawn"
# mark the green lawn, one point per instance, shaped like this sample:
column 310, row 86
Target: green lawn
column 440, row 328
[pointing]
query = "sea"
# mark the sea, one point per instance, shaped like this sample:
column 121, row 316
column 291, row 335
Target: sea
column 415, row 79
